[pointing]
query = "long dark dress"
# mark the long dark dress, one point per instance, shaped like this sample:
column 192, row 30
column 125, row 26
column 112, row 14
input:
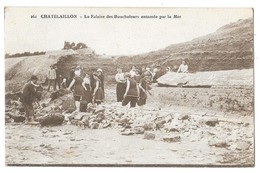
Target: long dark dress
column 131, row 95
column 99, row 95
column 120, row 87
column 78, row 88
column 143, row 95
column 87, row 98
column 87, row 94
column 120, row 91
column 101, row 77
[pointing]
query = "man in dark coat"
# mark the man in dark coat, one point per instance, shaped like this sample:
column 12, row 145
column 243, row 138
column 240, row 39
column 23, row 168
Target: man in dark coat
column 28, row 96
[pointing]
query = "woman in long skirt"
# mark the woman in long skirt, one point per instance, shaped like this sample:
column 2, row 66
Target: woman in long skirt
column 87, row 97
column 98, row 94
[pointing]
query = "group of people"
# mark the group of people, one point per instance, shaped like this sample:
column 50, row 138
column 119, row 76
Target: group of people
column 132, row 87
column 86, row 88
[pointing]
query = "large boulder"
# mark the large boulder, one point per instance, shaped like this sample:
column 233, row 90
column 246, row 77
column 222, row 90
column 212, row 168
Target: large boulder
column 52, row 119
column 149, row 135
column 172, row 138
column 207, row 79
column 18, row 118
column 212, row 122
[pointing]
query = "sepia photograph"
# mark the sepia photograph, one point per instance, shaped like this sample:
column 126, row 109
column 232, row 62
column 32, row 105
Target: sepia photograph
column 133, row 87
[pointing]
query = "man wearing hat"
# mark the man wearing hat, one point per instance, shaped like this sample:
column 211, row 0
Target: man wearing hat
column 28, row 96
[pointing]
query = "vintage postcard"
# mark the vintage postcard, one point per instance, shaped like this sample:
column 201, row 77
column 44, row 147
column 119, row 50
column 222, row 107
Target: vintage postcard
column 129, row 87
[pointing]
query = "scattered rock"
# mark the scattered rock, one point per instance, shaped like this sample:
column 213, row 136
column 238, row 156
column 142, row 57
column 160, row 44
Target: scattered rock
column 78, row 116
column 124, row 122
column 21, row 109
column 139, row 130
column 149, row 126
column 173, row 130
column 149, row 135
column 98, row 110
column 16, row 103
column 13, row 96
column 168, row 118
column 246, row 124
column 218, row 143
column 242, row 145
column 53, row 119
column 33, row 123
column 183, row 117
column 212, row 122
column 106, row 125
column 159, row 122
column 94, row 125
column 68, row 104
column 127, row 132
column 18, row 118
column 172, row 138
column 99, row 117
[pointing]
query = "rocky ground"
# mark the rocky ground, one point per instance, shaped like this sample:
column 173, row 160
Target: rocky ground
column 112, row 134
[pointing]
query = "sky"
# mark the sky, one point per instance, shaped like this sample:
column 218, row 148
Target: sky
column 112, row 36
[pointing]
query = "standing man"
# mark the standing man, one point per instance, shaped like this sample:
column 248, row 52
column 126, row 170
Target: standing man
column 28, row 96
column 52, row 78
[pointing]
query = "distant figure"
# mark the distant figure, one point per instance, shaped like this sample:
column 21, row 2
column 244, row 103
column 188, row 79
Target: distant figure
column 58, row 80
column 86, row 86
column 148, row 70
column 101, row 77
column 121, row 85
column 132, row 92
column 158, row 72
column 51, row 78
column 98, row 94
column 183, row 68
column 78, row 90
column 92, row 81
column 144, row 86
column 72, row 74
column 168, row 69
column 132, row 71
column 143, row 70
column 87, row 97
column 65, row 83
column 137, row 76
column 28, row 96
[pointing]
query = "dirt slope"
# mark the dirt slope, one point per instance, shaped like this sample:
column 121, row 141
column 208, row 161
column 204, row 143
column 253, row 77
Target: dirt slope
column 19, row 70
column 230, row 47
